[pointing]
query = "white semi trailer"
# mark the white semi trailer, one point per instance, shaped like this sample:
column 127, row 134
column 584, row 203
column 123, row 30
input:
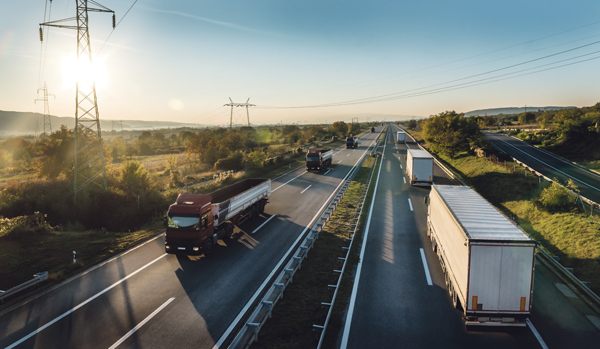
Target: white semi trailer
column 487, row 259
column 400, row 137
column 419, row 167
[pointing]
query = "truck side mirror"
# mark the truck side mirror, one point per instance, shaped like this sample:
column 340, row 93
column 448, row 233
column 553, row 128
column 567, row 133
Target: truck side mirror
column 426, row 200
column 165, row 221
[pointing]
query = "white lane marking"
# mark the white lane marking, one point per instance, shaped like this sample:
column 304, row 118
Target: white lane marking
column 362, row 255
column 410, row 204
column 265, row 222
column 536, row 334
column 302, row 192
column 339, row 161
column 288, row 181
column 400, row 166
column 326, row 172
column 235, row 322
column 427, row 275
column 554, row 168
column 141, row 324
column 82, row 304
column 398, row 151
column 348, row 155
column 404, row 180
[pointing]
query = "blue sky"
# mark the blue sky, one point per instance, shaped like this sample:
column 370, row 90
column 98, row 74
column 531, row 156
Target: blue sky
column 182, row 60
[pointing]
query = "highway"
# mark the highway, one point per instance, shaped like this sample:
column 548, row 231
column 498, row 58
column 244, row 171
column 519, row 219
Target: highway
column 549, row 164
column 147, row 299
column 394, row 304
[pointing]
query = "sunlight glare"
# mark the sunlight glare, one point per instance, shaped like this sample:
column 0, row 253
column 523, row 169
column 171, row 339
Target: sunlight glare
column 83, row 71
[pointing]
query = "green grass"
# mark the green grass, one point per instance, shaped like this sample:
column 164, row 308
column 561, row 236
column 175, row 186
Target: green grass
column 300, row 308
column 590, row 165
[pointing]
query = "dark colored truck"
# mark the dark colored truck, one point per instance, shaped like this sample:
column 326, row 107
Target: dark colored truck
column 318, row 159
column 372, row 129
column 196, row 221
column 351, row 142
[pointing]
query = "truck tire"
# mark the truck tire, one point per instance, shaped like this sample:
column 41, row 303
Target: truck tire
column 261, row 207
column 208, row 246
column 228, row 233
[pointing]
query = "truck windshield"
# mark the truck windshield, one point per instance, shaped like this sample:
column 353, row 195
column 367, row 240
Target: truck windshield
column 183, row 221
column 312, row 158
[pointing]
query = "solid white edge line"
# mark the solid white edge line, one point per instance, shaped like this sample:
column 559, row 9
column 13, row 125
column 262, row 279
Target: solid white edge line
column 81, row 304
column 427, row 275
column 339, row 161
column 362, row 255
column 326, row 172
column 282, row 260
column 302, row 192
column 289, row 181
column 536, row 334
column 410, row 204
column 141, row 324
column 262, row 225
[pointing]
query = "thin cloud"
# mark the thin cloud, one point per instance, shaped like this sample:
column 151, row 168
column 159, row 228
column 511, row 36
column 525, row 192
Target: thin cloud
column 213, row 21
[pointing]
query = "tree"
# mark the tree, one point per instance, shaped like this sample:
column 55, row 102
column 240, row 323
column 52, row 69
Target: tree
column 412, row 124
column 449, row 133
column 135, row 179
column 525, row 118
column 289, row 129
column 340, row 127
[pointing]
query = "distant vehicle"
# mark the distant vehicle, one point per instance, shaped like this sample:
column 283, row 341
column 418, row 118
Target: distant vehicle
column 372, row 129
column 196, row 221
column 318, row 159
column 351, row 142
column 488, row 260
column 400, row 137
column 419, row 167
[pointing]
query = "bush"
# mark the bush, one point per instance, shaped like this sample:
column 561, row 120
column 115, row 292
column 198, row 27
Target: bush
column 557, row 198
column 234, row 162
column 23, row 227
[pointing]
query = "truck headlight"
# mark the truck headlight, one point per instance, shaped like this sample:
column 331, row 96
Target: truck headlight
column 167, row 247
column 196, row 249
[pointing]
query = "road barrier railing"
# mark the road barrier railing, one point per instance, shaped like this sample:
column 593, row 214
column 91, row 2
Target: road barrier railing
column 249, row 331
column 37, row 278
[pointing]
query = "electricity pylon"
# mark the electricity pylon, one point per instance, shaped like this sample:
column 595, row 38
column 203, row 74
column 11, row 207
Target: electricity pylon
column 238, row 105
column 47, row 124
column 89, row 155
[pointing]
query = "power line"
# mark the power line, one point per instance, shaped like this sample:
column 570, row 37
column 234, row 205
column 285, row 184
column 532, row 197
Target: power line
column 115, row 26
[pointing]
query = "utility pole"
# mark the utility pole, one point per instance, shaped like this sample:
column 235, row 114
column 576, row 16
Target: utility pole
column 232, row 104
column 47, row 124
column 89, row 155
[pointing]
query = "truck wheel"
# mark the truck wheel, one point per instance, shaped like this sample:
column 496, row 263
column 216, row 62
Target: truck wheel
column 208, row 246
column 228, row 231
column 261, row 207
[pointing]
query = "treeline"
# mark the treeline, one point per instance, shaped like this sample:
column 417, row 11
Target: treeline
column 134, row 195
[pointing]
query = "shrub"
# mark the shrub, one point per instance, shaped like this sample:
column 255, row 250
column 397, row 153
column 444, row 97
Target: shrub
column 557, row 198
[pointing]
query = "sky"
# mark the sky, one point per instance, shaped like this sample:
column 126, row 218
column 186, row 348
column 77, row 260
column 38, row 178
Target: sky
column 310, row 61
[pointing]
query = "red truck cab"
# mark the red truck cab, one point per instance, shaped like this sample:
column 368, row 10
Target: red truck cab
column 189, row 223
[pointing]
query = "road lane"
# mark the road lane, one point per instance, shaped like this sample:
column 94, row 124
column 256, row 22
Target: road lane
column 209, row 292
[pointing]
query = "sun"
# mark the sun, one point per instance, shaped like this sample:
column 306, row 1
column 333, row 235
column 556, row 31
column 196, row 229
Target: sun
column 83, row 71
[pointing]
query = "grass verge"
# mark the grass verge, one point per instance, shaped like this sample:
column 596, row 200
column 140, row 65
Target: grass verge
column 300, row 308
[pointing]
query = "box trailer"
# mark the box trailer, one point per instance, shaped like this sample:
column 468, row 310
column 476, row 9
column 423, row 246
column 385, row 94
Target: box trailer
column 419, row 167
column 488, row 260
column 400, row 137
column 195, row 222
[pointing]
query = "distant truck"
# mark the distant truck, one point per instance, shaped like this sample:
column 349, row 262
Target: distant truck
column 196, row 221
column 419, row 167
column 487, row 259
column 351, row 142
column 372, row 129
column 400, row 137
column 318, row 159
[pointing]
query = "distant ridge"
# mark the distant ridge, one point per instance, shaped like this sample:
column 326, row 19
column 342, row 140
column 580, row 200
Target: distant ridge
column 14, row 122
column 510, row 110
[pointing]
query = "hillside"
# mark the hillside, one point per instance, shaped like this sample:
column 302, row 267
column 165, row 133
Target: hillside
column 12, row 122
column 510, row 110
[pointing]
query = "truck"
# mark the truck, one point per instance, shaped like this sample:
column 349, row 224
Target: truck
column 351, row 142
column 419, row 167
column 400, row 137
column 487, row 259
column 372, row 129
column 318, row 159
column 195, row 222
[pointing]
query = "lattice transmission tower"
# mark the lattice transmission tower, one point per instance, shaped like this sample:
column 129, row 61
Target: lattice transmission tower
column 238, row 105
column 89, row 155
column 47, row 123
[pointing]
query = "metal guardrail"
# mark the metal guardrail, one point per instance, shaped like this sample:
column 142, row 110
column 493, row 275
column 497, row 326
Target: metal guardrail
column 37, row 278
column 249, row 332
column 340, row 273
column 576, row 285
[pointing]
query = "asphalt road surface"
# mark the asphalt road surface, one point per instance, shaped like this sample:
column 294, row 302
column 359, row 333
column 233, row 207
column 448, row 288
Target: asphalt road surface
column 549, row 164
column 148, row 299
column 395, row 306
